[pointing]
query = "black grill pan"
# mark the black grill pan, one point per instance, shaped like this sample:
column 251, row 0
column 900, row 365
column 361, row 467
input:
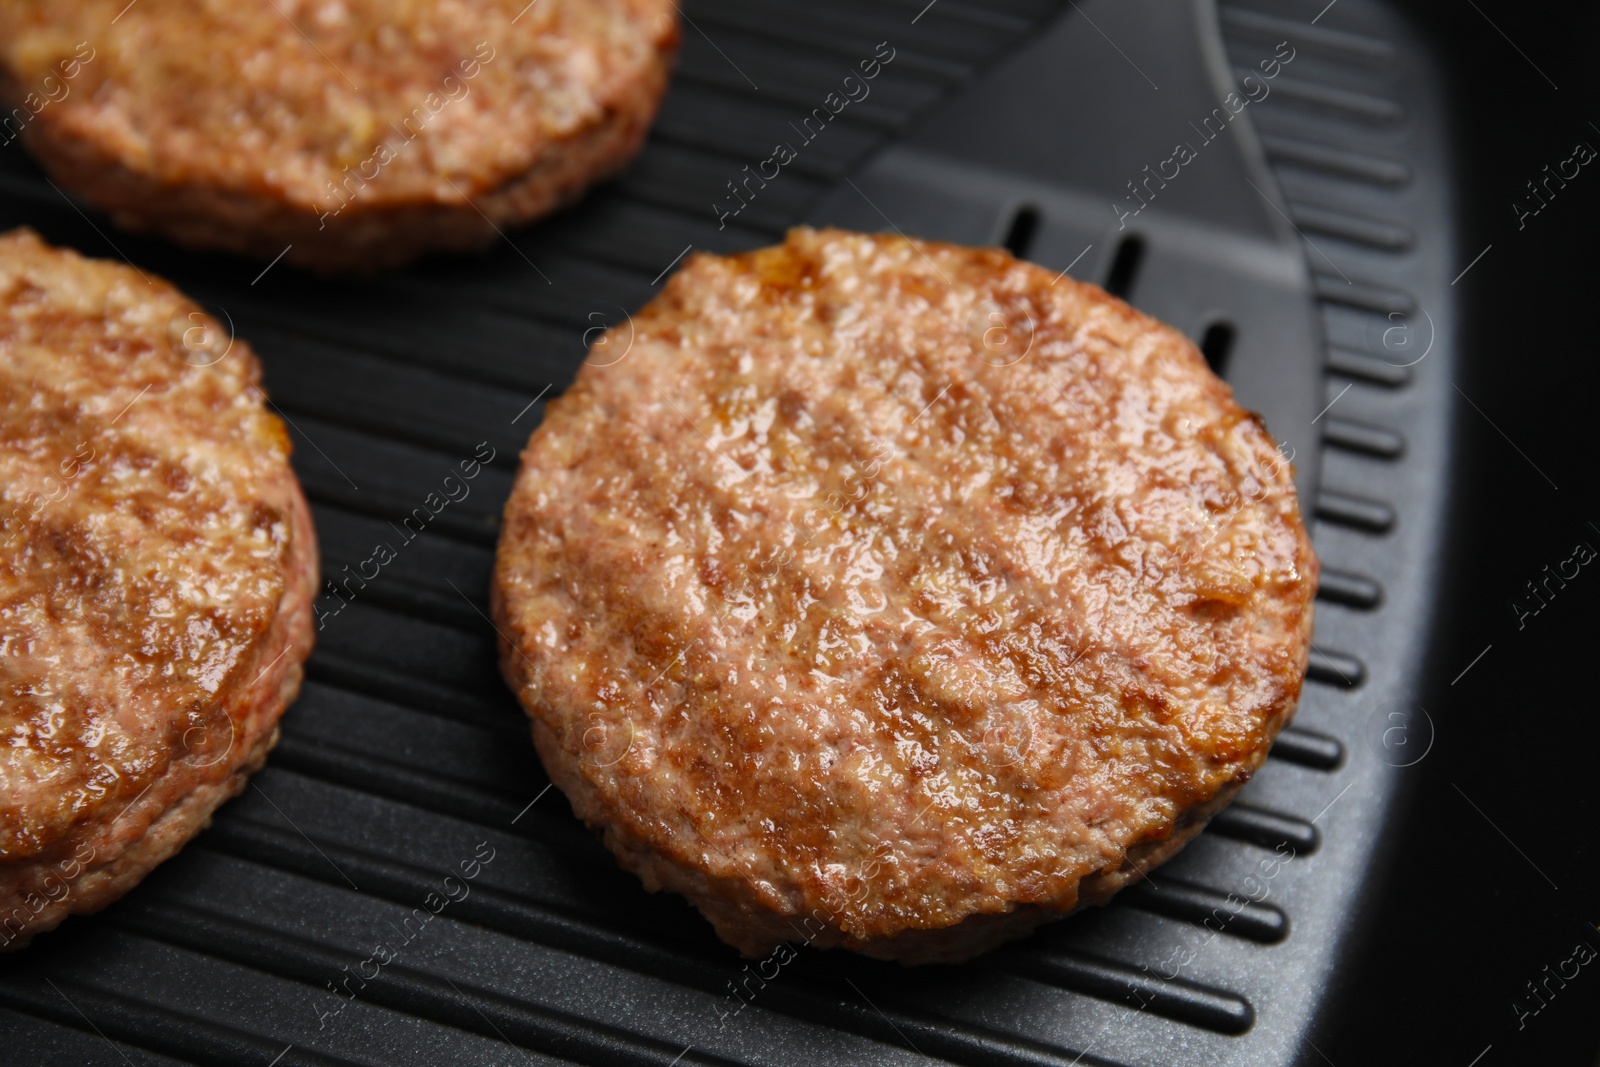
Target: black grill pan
column 405, row 757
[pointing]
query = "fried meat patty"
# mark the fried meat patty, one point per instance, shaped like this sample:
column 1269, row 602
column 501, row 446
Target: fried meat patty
column 899, row 596
column 157, row 565
column 359, row 133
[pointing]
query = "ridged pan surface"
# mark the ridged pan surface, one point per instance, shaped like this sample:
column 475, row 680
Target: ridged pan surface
column 399, row 887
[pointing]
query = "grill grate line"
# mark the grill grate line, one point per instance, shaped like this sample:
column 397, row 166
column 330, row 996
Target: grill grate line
column 1266, row 829
column 1335, row 668
column 1352, row 590
column 1363, row 297
column 1364, row 107
column 1175, row 998
column 1337, row 161
column 419, row 694
column 1367, row 367
column 1371, row 516
column 324, row 492
column 1353, row 436
column 1347, row 45
column 1380, row 234
column 270, row 950
column 558, row 928
column 1307, row 748
column 404, row 988
column 150, row 1026
column 1194, row 904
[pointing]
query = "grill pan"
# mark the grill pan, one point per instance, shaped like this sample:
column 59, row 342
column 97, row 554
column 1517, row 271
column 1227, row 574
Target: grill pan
column 1299, row 248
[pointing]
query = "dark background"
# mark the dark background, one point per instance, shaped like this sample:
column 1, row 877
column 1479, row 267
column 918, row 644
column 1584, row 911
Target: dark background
column 1465, row 921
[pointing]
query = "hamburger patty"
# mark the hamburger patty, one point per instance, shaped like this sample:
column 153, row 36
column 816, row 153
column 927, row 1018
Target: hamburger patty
column 899, row 596
column 360, row 133
column 157, row 565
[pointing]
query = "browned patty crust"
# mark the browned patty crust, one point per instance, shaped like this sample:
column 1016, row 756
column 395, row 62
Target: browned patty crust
column 360, row 133
column 899, row 595
column 157, row 565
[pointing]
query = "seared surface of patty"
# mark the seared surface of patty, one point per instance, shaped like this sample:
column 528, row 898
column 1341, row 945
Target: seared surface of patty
column 361, row 132
column 898, row 595
column 157, row 565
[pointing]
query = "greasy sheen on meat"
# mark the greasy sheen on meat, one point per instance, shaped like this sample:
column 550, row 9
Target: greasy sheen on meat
column 899, row 596
column 361, row 132
column 156, row 569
